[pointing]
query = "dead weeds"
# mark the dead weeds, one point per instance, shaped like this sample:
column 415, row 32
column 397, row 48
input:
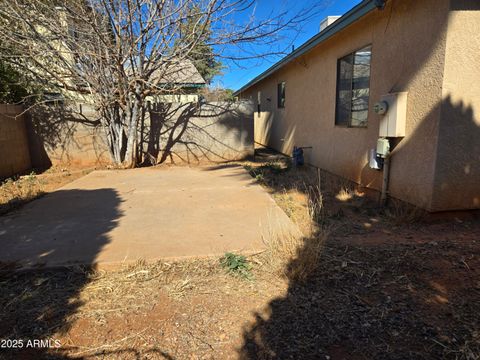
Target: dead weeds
column 16, row 191
column 140, row 310
column 383, row 302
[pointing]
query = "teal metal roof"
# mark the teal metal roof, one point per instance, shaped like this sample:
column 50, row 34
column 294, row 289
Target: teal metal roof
column 347, row 19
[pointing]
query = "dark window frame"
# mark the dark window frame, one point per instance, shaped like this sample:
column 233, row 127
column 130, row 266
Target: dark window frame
column 341, row 120
column 281, row 95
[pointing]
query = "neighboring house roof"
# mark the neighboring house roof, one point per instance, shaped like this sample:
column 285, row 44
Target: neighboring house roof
column 365, row 7
column 182, row 73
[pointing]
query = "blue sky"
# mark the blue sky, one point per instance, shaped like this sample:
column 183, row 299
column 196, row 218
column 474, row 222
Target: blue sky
column 235, row 76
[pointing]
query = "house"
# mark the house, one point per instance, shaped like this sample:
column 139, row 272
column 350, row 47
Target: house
column 180, row 82
column 388, row 96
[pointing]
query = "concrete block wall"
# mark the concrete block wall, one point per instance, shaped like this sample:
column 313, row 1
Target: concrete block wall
column 215, row 131
column 14, row 150
column 66, row 135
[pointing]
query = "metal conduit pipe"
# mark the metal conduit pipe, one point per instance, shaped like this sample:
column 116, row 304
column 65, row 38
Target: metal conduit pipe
column 386, row 178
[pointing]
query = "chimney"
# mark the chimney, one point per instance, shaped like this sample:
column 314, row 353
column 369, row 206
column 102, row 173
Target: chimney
column 327, row 22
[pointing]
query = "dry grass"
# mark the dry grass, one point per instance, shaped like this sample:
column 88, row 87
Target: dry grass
column 119, row 308
column 19, row 190
column 399, row 212
column 332, row 289
column 280, row 249
column 199, row 304
column 16, row 191
column 298, row 192
column 294, row 258
column 345, row 194
column 101, row 292
column 297, row 256
column 319, row 203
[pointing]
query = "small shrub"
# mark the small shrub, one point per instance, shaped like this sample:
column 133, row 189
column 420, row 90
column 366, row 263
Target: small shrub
column 260, row 178
column 275, row 168
column 236, row 265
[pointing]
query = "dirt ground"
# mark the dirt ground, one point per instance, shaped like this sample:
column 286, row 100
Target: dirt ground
column 18, row 190
column 388, row 284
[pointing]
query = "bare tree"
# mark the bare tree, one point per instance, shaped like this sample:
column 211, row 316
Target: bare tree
column 117, row 54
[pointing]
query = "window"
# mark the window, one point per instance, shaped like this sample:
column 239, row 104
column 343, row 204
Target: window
column 353, row 88
column 53, row 99
column 259, row 102
column 281, row 95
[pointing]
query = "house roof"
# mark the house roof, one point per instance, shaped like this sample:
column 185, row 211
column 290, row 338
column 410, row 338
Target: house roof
column 365, row 7
column 182, row 72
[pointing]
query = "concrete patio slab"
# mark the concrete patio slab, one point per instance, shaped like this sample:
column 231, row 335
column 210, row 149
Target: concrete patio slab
column 117, row 216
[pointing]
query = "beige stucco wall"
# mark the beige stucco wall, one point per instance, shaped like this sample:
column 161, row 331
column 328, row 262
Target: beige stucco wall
column 457, row 171
column 408, row 51
column 14, row 152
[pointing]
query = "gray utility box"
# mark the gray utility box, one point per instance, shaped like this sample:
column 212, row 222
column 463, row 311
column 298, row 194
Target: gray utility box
column 383, row 147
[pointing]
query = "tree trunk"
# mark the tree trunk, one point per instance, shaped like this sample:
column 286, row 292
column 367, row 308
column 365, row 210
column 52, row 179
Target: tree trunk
column 133, row 116
column 114, row 130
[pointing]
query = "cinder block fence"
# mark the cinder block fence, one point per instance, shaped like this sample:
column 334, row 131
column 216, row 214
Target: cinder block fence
column 72, row 135
column 14, row 149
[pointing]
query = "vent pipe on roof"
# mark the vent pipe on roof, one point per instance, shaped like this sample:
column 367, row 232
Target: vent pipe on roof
column 380, row 4
column 327, row 22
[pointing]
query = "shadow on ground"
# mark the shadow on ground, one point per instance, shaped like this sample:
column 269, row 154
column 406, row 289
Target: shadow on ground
column 59, row 228
column 388, row 302
column 383, row 288
column 36, row 304
column 39, row 303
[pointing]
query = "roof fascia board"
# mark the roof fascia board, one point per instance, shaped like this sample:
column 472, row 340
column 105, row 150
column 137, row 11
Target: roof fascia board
column 347, row 19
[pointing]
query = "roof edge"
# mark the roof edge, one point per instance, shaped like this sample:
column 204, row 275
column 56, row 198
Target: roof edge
column 347, row 19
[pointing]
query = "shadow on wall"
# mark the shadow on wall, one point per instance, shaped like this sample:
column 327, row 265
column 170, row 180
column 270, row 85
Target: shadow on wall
column 39, row 303
column 453, row 158
column 400, row 62
column 61, row 134
column 183, row 132
column 263, row 127
column 457, row 169
column 191, row 132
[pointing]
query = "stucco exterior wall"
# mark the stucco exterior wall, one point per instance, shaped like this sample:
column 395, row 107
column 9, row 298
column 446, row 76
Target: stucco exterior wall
column 457, row 171
column 14, row 152
column 408, row 41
